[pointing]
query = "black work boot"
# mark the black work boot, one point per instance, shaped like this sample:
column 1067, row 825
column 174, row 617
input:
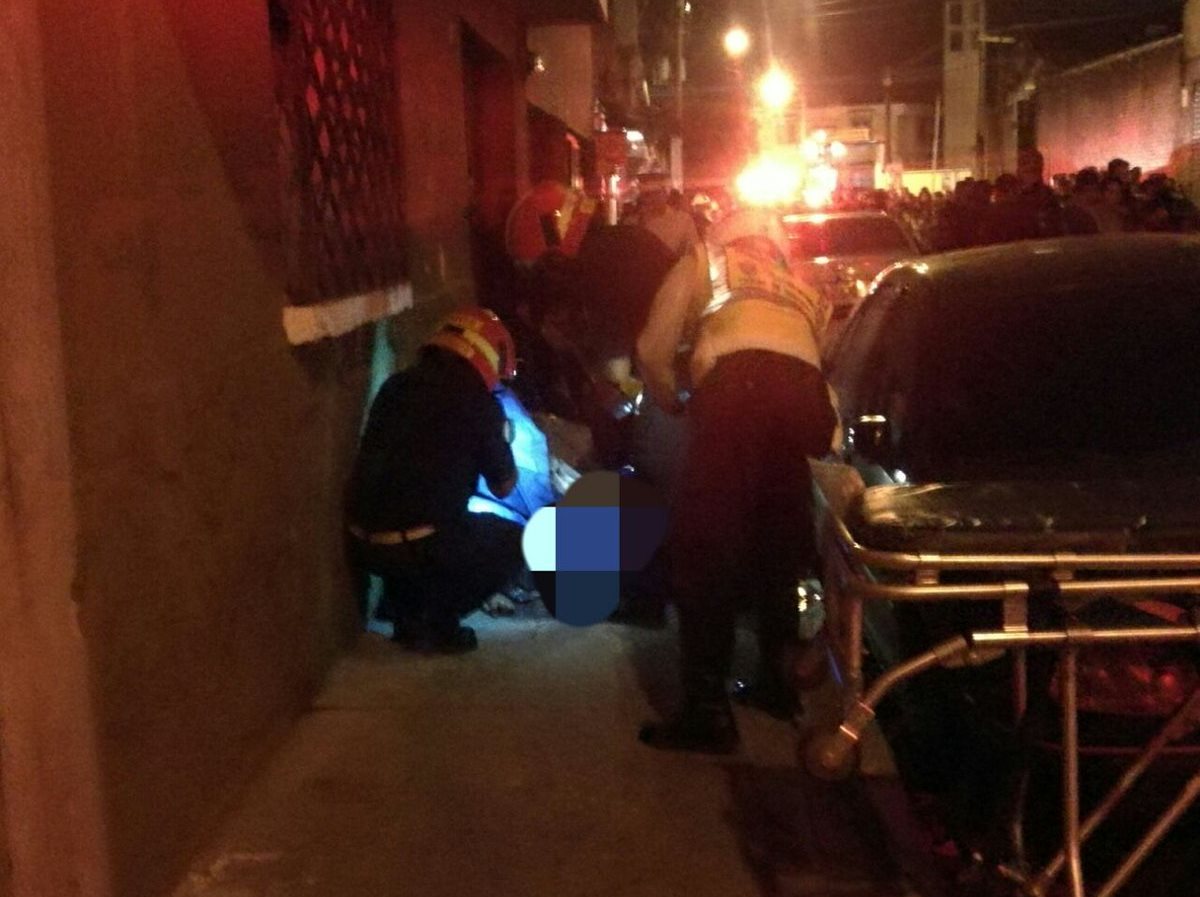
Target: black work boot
column 435, row 633
column 703, row 726
column 451, row 639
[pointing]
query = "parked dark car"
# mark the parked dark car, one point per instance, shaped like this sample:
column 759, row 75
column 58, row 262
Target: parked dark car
column 1032, row 396
column 1072, row 358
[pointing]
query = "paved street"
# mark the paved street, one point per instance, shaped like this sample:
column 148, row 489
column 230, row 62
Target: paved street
column 515, row 772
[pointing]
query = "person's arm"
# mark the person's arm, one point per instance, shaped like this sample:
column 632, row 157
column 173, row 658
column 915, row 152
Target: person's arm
column 659, row 340
column 497, row 466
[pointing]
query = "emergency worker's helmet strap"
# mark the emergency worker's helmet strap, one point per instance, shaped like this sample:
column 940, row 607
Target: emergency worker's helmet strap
column 478, row 335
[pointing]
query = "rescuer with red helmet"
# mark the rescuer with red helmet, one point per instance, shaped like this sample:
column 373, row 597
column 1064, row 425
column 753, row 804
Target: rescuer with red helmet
column 433, row 430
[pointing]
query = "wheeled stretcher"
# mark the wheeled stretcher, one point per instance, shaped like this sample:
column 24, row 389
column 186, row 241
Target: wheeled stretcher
column 1028, row 564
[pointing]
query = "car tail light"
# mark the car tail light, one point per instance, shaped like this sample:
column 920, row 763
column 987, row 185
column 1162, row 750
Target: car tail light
column 1132, row 681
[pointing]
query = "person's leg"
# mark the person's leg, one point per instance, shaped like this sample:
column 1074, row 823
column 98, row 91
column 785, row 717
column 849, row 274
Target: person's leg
column 462, row 565
column 796, row 418
column 488, row 559
column 406, row 589
column 705, row 541
column 779, row 558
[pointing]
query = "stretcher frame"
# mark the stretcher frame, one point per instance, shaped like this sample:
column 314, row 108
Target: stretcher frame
column 851, row 570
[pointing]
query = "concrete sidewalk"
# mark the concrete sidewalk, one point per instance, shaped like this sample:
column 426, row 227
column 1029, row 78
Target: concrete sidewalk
column 515, row 772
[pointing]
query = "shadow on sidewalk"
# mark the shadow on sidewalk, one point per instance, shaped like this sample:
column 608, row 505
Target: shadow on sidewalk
column 654, row 654
column 800, row 836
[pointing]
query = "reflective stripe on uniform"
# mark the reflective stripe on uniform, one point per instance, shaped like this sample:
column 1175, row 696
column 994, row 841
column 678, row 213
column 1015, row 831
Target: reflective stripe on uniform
column 394, row 537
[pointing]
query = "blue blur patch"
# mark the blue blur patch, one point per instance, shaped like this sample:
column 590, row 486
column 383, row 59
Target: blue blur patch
column 539, row 540
column 642, row 531
column 588, row 539
column 577, row 550
column 586, row 598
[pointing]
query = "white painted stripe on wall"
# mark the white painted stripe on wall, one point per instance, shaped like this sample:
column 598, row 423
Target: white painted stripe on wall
column 309, row 323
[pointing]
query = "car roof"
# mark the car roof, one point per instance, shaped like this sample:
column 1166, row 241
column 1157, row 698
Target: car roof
column 821, row 217
column 1082, row 261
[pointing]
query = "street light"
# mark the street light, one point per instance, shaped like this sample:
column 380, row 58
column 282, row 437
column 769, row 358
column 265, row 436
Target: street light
column 737, row 42
column 776, row 88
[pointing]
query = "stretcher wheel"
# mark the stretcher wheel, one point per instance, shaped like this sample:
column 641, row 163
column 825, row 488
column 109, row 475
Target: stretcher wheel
column 831, row 756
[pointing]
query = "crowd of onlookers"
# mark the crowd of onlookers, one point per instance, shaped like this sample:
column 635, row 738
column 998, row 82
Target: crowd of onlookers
column 1018, row 206
column 1014, row 206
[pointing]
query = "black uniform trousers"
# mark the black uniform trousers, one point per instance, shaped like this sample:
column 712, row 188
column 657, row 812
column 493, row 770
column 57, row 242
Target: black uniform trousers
column 742, row 525
column 431, row 583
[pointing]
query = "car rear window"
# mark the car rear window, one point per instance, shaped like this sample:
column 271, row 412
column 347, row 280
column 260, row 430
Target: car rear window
column 847, row 236
column 1068, row 375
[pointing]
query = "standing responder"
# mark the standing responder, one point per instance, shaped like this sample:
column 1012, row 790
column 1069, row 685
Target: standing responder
column 433, row 430
column 673, row 226
column 742, row 518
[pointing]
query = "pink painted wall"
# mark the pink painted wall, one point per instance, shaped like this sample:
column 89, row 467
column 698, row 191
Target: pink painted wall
column 208, row 455
column 1127, row 107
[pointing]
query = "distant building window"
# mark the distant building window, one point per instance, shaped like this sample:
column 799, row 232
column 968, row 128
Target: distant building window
column 861, row 118
column 956, row 40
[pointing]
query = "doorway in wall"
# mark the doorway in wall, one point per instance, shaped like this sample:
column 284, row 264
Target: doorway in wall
column 490, row 95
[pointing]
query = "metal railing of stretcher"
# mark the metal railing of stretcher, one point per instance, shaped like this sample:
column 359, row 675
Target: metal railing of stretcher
column 1025, row 579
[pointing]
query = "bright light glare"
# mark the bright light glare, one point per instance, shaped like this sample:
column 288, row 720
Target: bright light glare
column 837, row 149
column 811, row 150
column 737, row 42
column 635, row 136
column 768, row 182
column 775, row 88
column 822, row 182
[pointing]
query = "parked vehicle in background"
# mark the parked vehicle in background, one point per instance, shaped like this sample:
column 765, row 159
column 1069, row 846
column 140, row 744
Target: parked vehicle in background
column 842, row 252
column 1037, row 398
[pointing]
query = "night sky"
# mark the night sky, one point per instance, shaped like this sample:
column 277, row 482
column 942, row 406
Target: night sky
column 843, row 46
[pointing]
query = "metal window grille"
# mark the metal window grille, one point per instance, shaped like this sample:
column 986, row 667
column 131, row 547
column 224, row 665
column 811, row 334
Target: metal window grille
column 336, row 96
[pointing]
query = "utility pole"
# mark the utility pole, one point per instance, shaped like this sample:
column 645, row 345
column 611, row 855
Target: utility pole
column 937, row 132
column 981, row 113
column 682, row 9
column 887, row 116
column 681, row 13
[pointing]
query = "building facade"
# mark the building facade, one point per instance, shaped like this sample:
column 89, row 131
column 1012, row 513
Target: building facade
column 219, row 223
column 903, row 132
column 964, row 23
column 1126, row 105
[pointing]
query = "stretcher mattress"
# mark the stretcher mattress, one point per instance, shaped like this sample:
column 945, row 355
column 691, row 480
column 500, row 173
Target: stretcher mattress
column 1108, row 516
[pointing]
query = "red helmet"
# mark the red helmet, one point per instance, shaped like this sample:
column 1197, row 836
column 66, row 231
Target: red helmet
column 478, row 336
column 549, row 218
